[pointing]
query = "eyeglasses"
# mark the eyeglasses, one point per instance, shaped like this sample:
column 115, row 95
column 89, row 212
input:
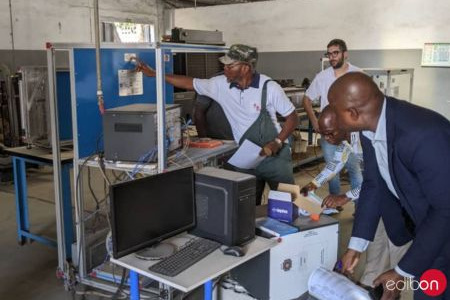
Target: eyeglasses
column 332, row 54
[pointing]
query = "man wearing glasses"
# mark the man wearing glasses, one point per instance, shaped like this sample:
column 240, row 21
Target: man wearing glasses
column 250, row 101
column 337, row 55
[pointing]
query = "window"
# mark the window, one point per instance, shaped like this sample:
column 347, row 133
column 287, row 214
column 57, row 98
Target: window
column 128, row 32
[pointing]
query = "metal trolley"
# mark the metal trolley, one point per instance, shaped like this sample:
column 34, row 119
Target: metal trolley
column 87, row 126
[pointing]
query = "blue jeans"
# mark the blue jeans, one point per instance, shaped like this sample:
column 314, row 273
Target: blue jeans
column 353, row 167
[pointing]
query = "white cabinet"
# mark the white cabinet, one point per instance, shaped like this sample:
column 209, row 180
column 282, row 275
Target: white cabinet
column 396, row 83
column 283, row 272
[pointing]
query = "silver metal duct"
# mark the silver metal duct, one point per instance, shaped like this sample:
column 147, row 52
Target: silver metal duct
column 195, row 3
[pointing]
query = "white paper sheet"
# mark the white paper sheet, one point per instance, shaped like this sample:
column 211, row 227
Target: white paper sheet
column 328, row 285
column 130, row 83
column 247, row 156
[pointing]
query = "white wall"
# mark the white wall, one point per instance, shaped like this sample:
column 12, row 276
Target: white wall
column 300, row 25
column 38, row 21
column 294, row 28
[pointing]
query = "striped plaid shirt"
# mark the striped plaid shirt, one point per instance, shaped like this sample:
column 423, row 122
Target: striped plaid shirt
column 341, row 155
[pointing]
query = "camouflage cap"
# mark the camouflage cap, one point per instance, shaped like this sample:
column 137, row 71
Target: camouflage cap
column 240, row 53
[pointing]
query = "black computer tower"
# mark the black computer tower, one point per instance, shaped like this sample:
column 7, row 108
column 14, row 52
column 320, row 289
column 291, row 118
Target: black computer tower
column 225, row 203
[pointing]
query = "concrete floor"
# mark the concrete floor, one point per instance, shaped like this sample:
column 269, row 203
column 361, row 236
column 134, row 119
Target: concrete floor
column 28, row 272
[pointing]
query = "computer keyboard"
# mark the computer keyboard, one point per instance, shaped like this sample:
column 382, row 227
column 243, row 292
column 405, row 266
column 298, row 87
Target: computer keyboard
column 179, row 261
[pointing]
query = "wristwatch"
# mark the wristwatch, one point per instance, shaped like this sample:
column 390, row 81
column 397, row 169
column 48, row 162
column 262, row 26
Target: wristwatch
column 278, row 141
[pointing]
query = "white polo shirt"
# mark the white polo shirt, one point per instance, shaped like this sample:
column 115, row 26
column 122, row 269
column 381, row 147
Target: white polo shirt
column 242, row 107
column 321, row 84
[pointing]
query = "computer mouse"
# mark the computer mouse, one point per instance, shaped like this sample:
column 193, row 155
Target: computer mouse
column 234, row 251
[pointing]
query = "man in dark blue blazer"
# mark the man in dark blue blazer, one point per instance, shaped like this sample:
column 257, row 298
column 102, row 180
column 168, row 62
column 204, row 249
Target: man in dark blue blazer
column 406, row 180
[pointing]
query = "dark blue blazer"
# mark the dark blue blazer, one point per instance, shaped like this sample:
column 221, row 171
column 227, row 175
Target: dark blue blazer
column 418, row 142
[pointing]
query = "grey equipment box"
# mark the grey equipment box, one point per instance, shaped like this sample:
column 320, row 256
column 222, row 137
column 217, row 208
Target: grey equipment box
column 130, row 131
column 191, row 36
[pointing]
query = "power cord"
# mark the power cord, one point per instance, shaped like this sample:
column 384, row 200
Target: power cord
column 101, row 164
column 122, row 295
column 146, row 158
column 121, row 285
column 78, row 208
column 97, row 204
column 231, row 284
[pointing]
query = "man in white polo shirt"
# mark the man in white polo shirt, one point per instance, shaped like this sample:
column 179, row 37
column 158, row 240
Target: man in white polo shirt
column 250, row 101
column 338, row 55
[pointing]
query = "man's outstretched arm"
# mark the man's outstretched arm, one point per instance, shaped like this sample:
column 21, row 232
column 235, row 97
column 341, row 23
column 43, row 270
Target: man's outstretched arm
column 179, row 81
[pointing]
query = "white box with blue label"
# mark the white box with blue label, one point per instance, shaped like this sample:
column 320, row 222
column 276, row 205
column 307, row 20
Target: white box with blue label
column 281, row 207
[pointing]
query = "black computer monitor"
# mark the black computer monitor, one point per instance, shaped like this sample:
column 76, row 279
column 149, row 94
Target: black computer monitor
column 148, row 210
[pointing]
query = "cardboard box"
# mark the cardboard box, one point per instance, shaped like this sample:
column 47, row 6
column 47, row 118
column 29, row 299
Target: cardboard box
column 301, row 201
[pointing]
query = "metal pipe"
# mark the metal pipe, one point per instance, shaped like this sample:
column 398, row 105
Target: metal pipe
column 12, row 106
column 13, row 58
column 77, row 184
column 100, row 101
column 160, row 108
column 57, row 182
column 411, row 82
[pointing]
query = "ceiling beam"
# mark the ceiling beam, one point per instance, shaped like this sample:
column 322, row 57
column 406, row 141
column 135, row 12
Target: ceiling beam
column 194, row 3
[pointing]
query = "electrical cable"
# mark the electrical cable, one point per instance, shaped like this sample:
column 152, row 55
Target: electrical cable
column 91, row 189
column 155, row 297
column 146, row 158
column 190, row 160
column 101, row 164
column 77, row 207
column 122, row 282
column 129, row 175
column 176, row 158
column 100, row 203
column 149, row 156
column 117, row 177
column 100, row 294
column 176, row 164
column 231, row 284
column 97, row 143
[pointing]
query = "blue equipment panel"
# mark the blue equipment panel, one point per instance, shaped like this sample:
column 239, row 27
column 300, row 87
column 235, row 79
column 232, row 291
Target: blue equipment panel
column 64, row 107
column 112, row 60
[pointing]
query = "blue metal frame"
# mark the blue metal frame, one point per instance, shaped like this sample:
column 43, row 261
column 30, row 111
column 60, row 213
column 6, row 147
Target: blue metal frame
column 22, row 214
column 89, row 120
column 135, row 293
column 208, row 290
column 64, row 105
column 134, row 285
